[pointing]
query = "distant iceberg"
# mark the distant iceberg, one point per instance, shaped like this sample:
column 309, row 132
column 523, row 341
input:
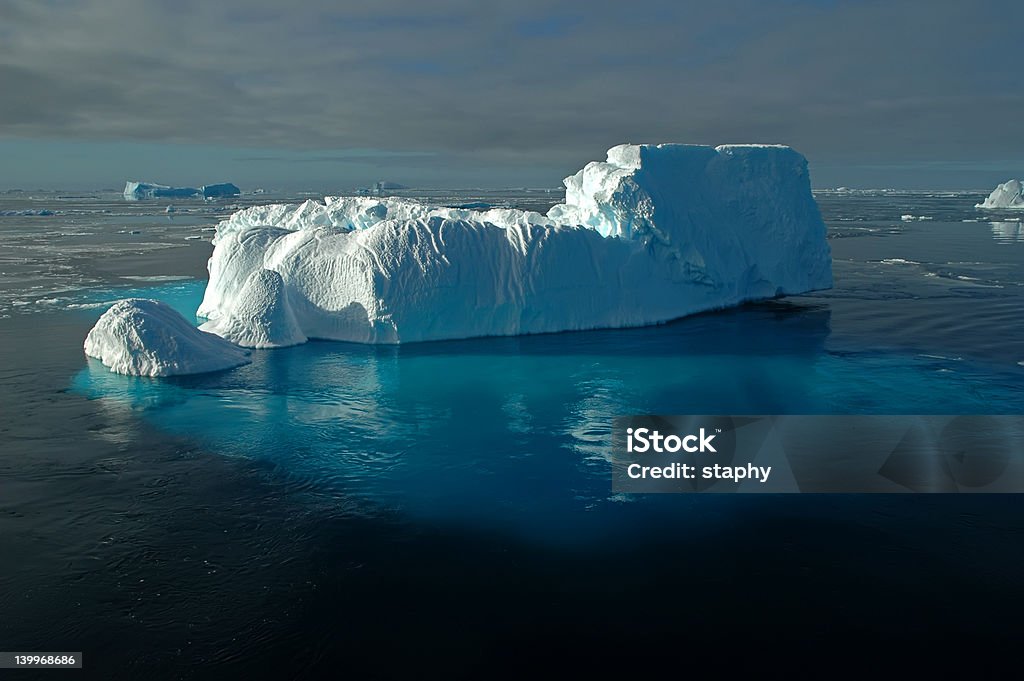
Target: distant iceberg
column 135, row 191
column 380, row 187
column 1008, row 195
column 651, row 234
column 213, row 191
column 143, row 337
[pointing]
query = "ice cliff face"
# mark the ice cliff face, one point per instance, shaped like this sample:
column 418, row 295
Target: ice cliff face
column 148, row 338
column 1009, row 194
column 261, row 315
column 651, row 234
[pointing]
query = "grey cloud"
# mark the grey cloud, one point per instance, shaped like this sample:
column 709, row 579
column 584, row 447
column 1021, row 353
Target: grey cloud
column 556, row 81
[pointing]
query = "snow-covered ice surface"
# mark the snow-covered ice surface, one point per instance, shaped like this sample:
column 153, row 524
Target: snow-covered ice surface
column 652, row 234
column 141, row 337
column 261, row 317
column 1008, row 195
column 59, row 245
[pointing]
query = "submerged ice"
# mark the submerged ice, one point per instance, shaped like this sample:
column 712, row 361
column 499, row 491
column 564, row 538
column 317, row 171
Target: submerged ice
column 653, row 233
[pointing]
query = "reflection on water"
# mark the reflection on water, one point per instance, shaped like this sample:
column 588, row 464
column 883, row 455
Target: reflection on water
column 1007, row 231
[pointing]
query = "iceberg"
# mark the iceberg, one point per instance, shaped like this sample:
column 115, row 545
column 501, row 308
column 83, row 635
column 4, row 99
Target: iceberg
column 380, row 187
column 142, row 337
column 385, row 185
column 651, row 234
column 1008, row 195
column 136, row 191
column 214, row 191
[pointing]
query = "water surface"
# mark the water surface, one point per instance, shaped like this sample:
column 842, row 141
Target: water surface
column 333, row 503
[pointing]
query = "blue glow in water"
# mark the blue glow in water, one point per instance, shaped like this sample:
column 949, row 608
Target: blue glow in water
column 513, row 432
column 184, row 296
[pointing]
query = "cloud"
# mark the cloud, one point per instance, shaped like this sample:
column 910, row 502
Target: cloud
column 538, row 80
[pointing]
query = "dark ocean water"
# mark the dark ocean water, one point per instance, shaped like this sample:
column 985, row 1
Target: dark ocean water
column 444, row 509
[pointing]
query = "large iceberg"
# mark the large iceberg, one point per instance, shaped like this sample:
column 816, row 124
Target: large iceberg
column 653, row 233
column 143, row 337
column 135, row 191
column 1008, row 195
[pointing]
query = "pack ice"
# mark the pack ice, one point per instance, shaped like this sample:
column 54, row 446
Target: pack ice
column 135, row 191
column 144, row 337
column 1009, row 194
column 653, row 233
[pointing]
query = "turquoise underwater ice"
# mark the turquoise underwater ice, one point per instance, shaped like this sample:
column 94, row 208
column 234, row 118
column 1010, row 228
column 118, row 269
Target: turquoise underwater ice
column 513, row 433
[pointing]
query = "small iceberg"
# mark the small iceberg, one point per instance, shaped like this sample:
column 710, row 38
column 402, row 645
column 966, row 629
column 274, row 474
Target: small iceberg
column 141, row 337
column 1007, row 196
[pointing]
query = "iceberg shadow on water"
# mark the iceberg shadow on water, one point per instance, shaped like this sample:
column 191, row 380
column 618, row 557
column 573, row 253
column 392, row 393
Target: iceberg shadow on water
column 802, row 328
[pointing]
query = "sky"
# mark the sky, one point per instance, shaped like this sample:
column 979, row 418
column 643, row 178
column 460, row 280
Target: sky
column 322, row 94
